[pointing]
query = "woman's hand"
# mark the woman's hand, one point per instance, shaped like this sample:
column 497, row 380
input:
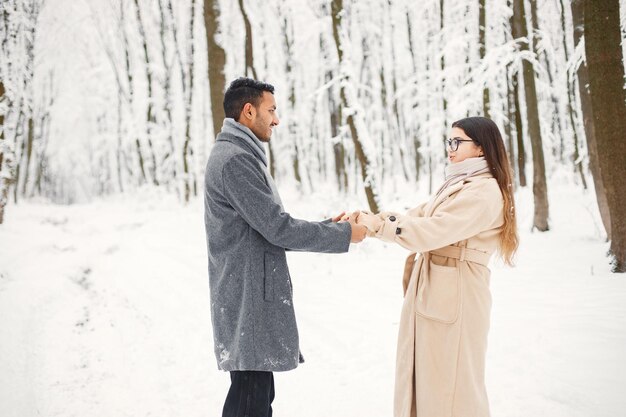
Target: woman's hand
column 351, row 217
column 371, row 221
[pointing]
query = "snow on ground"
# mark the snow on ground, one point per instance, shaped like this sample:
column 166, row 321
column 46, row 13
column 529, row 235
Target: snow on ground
column 104, row 312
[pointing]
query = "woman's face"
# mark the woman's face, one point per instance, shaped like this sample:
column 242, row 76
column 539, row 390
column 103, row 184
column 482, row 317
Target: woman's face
column 466, row 149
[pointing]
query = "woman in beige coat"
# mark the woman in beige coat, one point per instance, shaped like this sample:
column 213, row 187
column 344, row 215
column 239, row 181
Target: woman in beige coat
column 442, row 342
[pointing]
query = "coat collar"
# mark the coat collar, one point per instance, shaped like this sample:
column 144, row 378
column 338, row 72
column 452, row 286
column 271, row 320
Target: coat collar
column 238, row 134
column 437, row 200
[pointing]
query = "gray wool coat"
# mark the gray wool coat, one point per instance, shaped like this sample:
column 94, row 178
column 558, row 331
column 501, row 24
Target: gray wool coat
column 254, row 323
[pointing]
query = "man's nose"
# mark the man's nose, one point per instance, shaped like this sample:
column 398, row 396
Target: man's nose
column 276, row 121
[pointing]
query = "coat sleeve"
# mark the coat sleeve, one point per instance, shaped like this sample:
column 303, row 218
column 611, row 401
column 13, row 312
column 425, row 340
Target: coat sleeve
column 417, row 211
column 251, row 197
column 373, row 222
column 461, row 217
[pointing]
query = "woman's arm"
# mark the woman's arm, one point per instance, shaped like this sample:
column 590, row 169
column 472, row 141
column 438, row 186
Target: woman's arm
column 462, row 216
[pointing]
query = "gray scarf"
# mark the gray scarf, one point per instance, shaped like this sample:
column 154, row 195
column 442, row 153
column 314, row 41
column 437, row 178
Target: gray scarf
column 233, row 127
column 460, row 171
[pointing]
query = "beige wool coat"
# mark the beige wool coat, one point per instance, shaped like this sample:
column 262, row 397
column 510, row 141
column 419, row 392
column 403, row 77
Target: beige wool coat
column 442, row 341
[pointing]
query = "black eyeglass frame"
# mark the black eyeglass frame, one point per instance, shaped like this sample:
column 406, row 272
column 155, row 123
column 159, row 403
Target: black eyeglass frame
column 456, row 141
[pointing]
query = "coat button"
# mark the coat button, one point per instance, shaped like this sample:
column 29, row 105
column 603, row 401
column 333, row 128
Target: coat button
column 392, row 218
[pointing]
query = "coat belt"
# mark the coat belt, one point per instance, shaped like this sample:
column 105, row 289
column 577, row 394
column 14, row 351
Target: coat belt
column 463, row 254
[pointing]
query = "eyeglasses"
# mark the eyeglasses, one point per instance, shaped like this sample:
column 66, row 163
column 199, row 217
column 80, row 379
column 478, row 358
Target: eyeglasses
column 453, row 144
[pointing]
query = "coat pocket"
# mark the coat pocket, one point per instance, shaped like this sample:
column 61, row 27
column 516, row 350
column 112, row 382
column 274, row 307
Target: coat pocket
column 270, row 267
column 439, row 295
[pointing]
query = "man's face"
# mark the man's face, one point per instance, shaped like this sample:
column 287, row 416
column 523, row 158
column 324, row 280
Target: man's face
column 264, row 117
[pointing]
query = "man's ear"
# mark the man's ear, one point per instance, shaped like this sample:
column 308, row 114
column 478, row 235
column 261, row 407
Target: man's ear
column 248, row 111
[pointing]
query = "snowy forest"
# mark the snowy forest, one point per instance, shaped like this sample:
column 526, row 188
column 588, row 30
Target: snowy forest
column 109, row 110
column 102, row 97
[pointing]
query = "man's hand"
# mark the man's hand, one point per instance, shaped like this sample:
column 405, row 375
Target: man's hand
column 339, row 217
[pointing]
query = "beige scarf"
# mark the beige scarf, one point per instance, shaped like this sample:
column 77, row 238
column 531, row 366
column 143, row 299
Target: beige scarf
column 460, row 171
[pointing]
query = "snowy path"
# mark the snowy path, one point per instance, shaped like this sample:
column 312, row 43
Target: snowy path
column 104, row 313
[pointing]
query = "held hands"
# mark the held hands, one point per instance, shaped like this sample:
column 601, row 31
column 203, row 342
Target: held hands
column 371, row 221
column 359, row 231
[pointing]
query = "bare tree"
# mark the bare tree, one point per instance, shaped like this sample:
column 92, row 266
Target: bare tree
column 287, row 35
column 5, row 174
column 217, row 61
column 482, row 42
column 519, row 131
column 541, row 54
column 608, row 99
column 417, row 160
column 588, row 119
column 166, row 21
column 150, row 120
column 187, row 150
column 249, row 56
column 540, row 187
column 571, row 101
column 349, row 100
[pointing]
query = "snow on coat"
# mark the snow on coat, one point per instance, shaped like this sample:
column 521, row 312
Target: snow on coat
column 254, row 324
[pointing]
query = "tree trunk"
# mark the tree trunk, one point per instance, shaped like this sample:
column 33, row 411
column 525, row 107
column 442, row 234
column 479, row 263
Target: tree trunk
column 249, row 58
column 292, row 128
column 588, row 120
column 168, row 161
column 349, row 101
column 119, row 154
column 149, row 112
column 339, row 151
column 4, row 177
column 519, row 132
column 19, row 144
column 217, row 61
column 187, row 152
column 508, row 125
column 415, row 138
column 131, row 91
column 540, row 187
column 557, row 125
column 28, row 156
column 443, row 95
column 482, row 28
column 608, row 100
column 571, row 100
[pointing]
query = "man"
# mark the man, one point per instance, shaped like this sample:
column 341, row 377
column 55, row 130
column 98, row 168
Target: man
column 248, row 231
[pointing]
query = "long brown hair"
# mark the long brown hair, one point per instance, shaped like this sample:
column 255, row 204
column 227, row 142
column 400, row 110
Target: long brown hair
column 484, row 132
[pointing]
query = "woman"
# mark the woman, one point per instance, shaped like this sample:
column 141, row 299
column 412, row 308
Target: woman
column 442, row 343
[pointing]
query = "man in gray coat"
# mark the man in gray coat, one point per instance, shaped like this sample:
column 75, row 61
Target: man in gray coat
column 248, row 232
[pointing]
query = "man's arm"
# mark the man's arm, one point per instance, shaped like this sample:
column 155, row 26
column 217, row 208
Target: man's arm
column 248, row 193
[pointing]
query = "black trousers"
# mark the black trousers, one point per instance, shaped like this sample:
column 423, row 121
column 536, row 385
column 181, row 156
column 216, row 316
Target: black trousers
column 251, row 394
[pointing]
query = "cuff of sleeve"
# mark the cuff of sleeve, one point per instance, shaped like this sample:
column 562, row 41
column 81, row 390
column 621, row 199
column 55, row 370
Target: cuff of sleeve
column 347, row 230
column 388, row 230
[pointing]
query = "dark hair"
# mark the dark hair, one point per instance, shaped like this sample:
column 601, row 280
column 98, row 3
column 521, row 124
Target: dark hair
column 485, row 133
column 241, row 91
